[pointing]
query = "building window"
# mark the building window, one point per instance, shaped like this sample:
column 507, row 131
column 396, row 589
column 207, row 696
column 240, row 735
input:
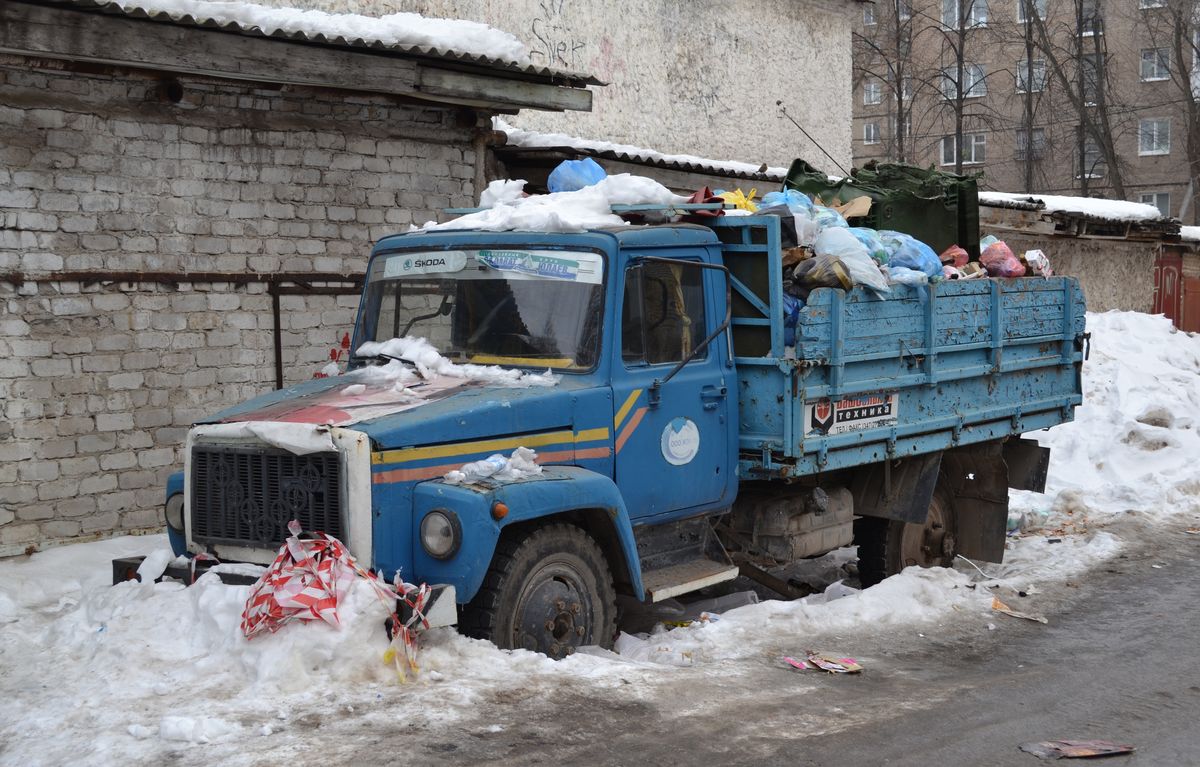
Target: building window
column 869, row 15
column 907, row 125
column 870, row 133
column 1152, row 4
column 1156, row 64
column 972, row 13
column 1160, row 200
column 1025, row 151
column 974, row 82
column 973, row 148
column 1093, row 18
column 1038, row 7
column 1091, row 64
column 1093, row 160
column 1037, row 82
column 872, row 92
column 1154, row 136
column 903, row 10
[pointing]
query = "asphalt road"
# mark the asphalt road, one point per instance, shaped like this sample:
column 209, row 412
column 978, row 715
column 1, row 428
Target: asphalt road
column 1119, row 660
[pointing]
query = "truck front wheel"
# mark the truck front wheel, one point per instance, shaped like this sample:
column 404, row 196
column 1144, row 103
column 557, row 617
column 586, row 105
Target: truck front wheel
column 887, row 546
column 550, row 591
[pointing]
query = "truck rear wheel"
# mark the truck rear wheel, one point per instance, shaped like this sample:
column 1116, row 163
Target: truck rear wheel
column 550, row 592
column 887, row 546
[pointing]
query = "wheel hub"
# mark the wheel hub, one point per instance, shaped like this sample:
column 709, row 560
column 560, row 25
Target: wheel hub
column 552, row 616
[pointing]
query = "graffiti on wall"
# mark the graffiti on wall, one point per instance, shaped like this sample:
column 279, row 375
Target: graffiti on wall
column 555, row 43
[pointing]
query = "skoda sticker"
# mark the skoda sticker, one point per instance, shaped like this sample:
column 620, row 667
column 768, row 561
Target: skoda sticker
column 430, row 262
column 680, row 441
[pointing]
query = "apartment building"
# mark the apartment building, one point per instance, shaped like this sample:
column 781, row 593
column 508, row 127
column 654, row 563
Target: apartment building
column 1078, row 97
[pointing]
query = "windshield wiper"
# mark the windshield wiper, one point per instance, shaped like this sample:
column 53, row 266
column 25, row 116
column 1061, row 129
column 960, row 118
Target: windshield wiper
column 382, row 356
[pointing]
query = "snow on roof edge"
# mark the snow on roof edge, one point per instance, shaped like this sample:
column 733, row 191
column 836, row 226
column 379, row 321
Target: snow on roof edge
column 1112, row 210
column 529, row 139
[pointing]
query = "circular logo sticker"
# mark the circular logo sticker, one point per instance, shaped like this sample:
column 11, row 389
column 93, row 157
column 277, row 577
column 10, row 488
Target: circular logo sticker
column 680, row 441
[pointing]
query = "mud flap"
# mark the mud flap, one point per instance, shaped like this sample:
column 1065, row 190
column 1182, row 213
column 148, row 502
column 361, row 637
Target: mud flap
column 977, row 477
column 899, row 489
column 1027, row 463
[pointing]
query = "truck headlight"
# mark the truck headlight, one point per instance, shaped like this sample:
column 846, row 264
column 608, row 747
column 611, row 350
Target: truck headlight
column 174, row 512
column 441, row 533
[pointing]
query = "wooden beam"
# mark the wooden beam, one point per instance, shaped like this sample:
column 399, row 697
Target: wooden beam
column 66, row 34
column 466, row 85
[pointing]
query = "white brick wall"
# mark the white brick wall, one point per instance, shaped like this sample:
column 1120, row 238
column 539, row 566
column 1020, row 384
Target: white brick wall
column 99, row 381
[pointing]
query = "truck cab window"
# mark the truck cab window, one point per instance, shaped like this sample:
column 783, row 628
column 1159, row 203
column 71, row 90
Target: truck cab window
column 662, row 313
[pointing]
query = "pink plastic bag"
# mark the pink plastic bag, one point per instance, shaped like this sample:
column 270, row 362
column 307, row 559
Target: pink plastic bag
column 999, row 261
column 954, row 256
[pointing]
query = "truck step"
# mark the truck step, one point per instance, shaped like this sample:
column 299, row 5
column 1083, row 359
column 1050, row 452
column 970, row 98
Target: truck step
column 685, row 577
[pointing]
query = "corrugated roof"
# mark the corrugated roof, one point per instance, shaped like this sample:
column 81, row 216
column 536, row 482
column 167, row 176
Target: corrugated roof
column 508, row 68
column 690, row 167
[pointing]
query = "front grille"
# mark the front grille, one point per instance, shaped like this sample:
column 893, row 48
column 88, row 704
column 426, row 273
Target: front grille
column 247, row 495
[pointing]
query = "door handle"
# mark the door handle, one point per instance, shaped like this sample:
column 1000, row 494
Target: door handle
column 712, row 395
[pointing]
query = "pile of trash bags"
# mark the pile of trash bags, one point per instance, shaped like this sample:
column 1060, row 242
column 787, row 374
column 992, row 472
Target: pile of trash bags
column 821, row 249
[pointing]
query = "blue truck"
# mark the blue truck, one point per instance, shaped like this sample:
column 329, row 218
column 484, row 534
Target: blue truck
column 696, row 430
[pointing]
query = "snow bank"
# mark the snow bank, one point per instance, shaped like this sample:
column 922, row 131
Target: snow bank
column 534, row 139
column 429, row 363
column 1117, row 210
column 401, row 29
column 577, row 211
column 1134, row 443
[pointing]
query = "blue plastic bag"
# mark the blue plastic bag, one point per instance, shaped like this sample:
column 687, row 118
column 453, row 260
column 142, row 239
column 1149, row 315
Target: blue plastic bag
column 796, row 201
column 572, row 175
column 791, row 317
column 910, row 253
column 871, row 242
column 827, row 217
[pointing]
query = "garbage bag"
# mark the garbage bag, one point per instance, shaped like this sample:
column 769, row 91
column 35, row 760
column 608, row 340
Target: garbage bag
column 571, row 175
column 870, row 240
column 839, row 245
column 791, row 315
column 999, row 261
column 740, row 200
column 797, row 226
column 955, row 256
column 796, row 201
column 827, row 217
column 910, row 253
column 904, row 276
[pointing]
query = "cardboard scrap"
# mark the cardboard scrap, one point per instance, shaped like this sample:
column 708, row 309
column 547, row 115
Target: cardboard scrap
column 824, row 662
column 1074, row 749
column 1000, row 607
column 859, row 206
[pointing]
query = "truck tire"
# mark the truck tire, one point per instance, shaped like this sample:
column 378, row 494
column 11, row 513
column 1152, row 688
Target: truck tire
column 550, row 591
column 887, row 546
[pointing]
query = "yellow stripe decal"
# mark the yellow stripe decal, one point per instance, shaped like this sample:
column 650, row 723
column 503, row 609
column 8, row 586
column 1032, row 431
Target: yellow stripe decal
column 406, row 455
column 624, row 411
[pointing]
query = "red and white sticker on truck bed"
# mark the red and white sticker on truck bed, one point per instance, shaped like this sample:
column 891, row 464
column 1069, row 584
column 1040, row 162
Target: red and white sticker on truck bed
column 868, row 411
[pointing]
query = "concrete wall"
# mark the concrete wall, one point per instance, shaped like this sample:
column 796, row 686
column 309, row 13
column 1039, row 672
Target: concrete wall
column 699, row 78
column 99, row 380
column 1113, row 274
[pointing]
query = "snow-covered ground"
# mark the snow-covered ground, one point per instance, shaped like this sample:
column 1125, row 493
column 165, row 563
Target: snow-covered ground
column 145, row 672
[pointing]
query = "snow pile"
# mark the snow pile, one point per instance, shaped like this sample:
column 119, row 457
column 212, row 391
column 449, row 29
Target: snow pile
column 534, row 139
column 1189, row 233
column 577, row 211
column 1135, row 441
column 398, row 29
column 1114, row 210
column 427, row 363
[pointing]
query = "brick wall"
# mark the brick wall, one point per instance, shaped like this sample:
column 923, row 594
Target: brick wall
column 102, row 171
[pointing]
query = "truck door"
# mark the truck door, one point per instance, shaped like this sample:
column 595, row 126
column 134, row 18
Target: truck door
column 676, row 455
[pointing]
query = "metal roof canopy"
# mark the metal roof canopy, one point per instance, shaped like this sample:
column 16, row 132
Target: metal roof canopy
column 102, row 32
column 1030, row 217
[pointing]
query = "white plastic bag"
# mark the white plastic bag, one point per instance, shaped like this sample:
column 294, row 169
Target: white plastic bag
column 838, row 243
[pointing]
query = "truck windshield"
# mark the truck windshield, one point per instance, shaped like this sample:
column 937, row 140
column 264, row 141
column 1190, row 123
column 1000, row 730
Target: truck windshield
column 514, row 307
